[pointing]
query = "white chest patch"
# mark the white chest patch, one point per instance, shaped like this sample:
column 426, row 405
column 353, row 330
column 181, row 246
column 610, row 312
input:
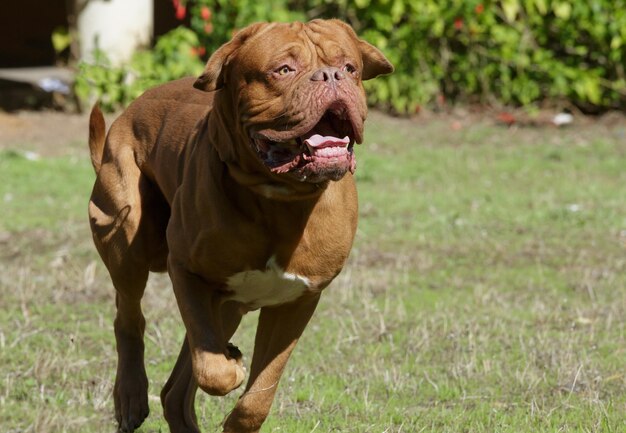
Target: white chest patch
column 273, row 286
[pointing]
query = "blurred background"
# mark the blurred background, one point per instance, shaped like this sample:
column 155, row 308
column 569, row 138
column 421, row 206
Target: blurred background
column 525, row 53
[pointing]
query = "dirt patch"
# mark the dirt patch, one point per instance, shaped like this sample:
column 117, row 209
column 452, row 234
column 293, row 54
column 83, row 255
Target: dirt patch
column 47, row 133
column 50, row 133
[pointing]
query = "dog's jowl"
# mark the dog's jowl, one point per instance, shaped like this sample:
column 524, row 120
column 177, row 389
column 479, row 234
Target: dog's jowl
column 239, row 184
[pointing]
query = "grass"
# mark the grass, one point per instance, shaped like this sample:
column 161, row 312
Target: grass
column 486, row 293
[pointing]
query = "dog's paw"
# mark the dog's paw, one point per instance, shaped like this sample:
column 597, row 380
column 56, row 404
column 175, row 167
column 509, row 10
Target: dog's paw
column 131, row 402
column 234, row 352
column 218, row 374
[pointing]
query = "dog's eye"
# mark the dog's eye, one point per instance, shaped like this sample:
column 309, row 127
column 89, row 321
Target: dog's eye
column 283, row 70
column 349, row 68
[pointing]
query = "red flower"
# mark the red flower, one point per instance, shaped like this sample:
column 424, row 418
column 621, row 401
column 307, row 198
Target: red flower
column 458, row 23
column 181, row 11
column 198, row 51
column 176, row 3
column 205, row 13
column 479, row 9
column 506, row 118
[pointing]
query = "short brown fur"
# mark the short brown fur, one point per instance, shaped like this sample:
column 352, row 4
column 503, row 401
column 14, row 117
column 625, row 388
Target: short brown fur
column 180, row 187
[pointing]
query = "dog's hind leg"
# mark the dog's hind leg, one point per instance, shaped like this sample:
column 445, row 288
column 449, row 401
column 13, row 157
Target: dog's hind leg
column 130, row 392
column 128, row 218
column 178, row 394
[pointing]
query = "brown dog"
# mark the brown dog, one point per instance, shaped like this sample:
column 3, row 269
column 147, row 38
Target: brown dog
column 239, row 184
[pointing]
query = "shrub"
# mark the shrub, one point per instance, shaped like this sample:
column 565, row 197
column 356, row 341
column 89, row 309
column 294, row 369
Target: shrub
column 512, row 52
column 175, row 55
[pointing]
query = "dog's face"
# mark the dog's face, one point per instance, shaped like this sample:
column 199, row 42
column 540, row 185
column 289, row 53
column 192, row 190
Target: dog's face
column 296, row 90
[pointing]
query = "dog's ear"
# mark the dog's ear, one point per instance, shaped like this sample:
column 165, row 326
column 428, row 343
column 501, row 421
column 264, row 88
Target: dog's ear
column 374, row 61
column 213, row 76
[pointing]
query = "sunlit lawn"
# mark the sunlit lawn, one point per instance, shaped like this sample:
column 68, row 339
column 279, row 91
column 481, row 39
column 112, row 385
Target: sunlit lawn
column 486, row 293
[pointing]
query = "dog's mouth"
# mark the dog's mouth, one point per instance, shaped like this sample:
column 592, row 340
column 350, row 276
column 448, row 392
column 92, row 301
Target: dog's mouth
column 323, row 152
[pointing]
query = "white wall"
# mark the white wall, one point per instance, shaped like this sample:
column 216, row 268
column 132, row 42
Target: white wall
column 120, row 26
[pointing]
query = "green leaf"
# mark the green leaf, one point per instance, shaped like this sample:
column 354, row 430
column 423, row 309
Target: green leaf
column 397, row 10
column 510, row 9
column 541, row 6
column 562, row 10
column 616, row 42
column 592, row 89
column 61, row 39
column 438, row 27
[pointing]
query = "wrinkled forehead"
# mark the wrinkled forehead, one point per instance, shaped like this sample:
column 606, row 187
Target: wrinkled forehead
column 311, row 44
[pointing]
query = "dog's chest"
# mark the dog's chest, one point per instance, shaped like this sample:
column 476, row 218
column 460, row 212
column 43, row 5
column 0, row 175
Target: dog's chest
column 264, row 288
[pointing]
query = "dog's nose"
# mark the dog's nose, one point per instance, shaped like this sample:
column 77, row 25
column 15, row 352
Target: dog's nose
column 328, row 74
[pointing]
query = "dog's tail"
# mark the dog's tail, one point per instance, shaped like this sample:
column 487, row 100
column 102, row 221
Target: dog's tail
column 97, row 134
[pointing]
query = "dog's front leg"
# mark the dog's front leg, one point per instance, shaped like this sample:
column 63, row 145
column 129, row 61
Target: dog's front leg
column 179, row 392
column 277, row 334
column 217, row 366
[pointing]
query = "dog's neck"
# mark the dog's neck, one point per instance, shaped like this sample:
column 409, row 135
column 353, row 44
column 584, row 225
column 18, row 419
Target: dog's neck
column 265, row 186
column 249, row 173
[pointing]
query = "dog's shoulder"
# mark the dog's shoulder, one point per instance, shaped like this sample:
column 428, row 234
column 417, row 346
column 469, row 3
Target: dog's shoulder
column 180, row 91
column 170, row 110
column 157, row 124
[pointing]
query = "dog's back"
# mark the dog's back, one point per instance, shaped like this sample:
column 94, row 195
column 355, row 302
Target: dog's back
column 155, row 127
column 138, row 167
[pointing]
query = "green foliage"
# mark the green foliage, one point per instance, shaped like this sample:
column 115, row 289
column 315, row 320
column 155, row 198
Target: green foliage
column 215, row 21
column 174, row 56
column 514, row 52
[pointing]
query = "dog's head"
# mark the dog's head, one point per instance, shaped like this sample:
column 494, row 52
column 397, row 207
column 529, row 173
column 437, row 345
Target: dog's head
column 296, row 92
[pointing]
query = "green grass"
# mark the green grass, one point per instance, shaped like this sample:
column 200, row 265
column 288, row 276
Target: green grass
column 486, row 293
column 42, row 192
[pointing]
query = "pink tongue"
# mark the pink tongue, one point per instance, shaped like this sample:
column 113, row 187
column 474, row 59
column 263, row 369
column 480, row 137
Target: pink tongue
column 319, row 142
